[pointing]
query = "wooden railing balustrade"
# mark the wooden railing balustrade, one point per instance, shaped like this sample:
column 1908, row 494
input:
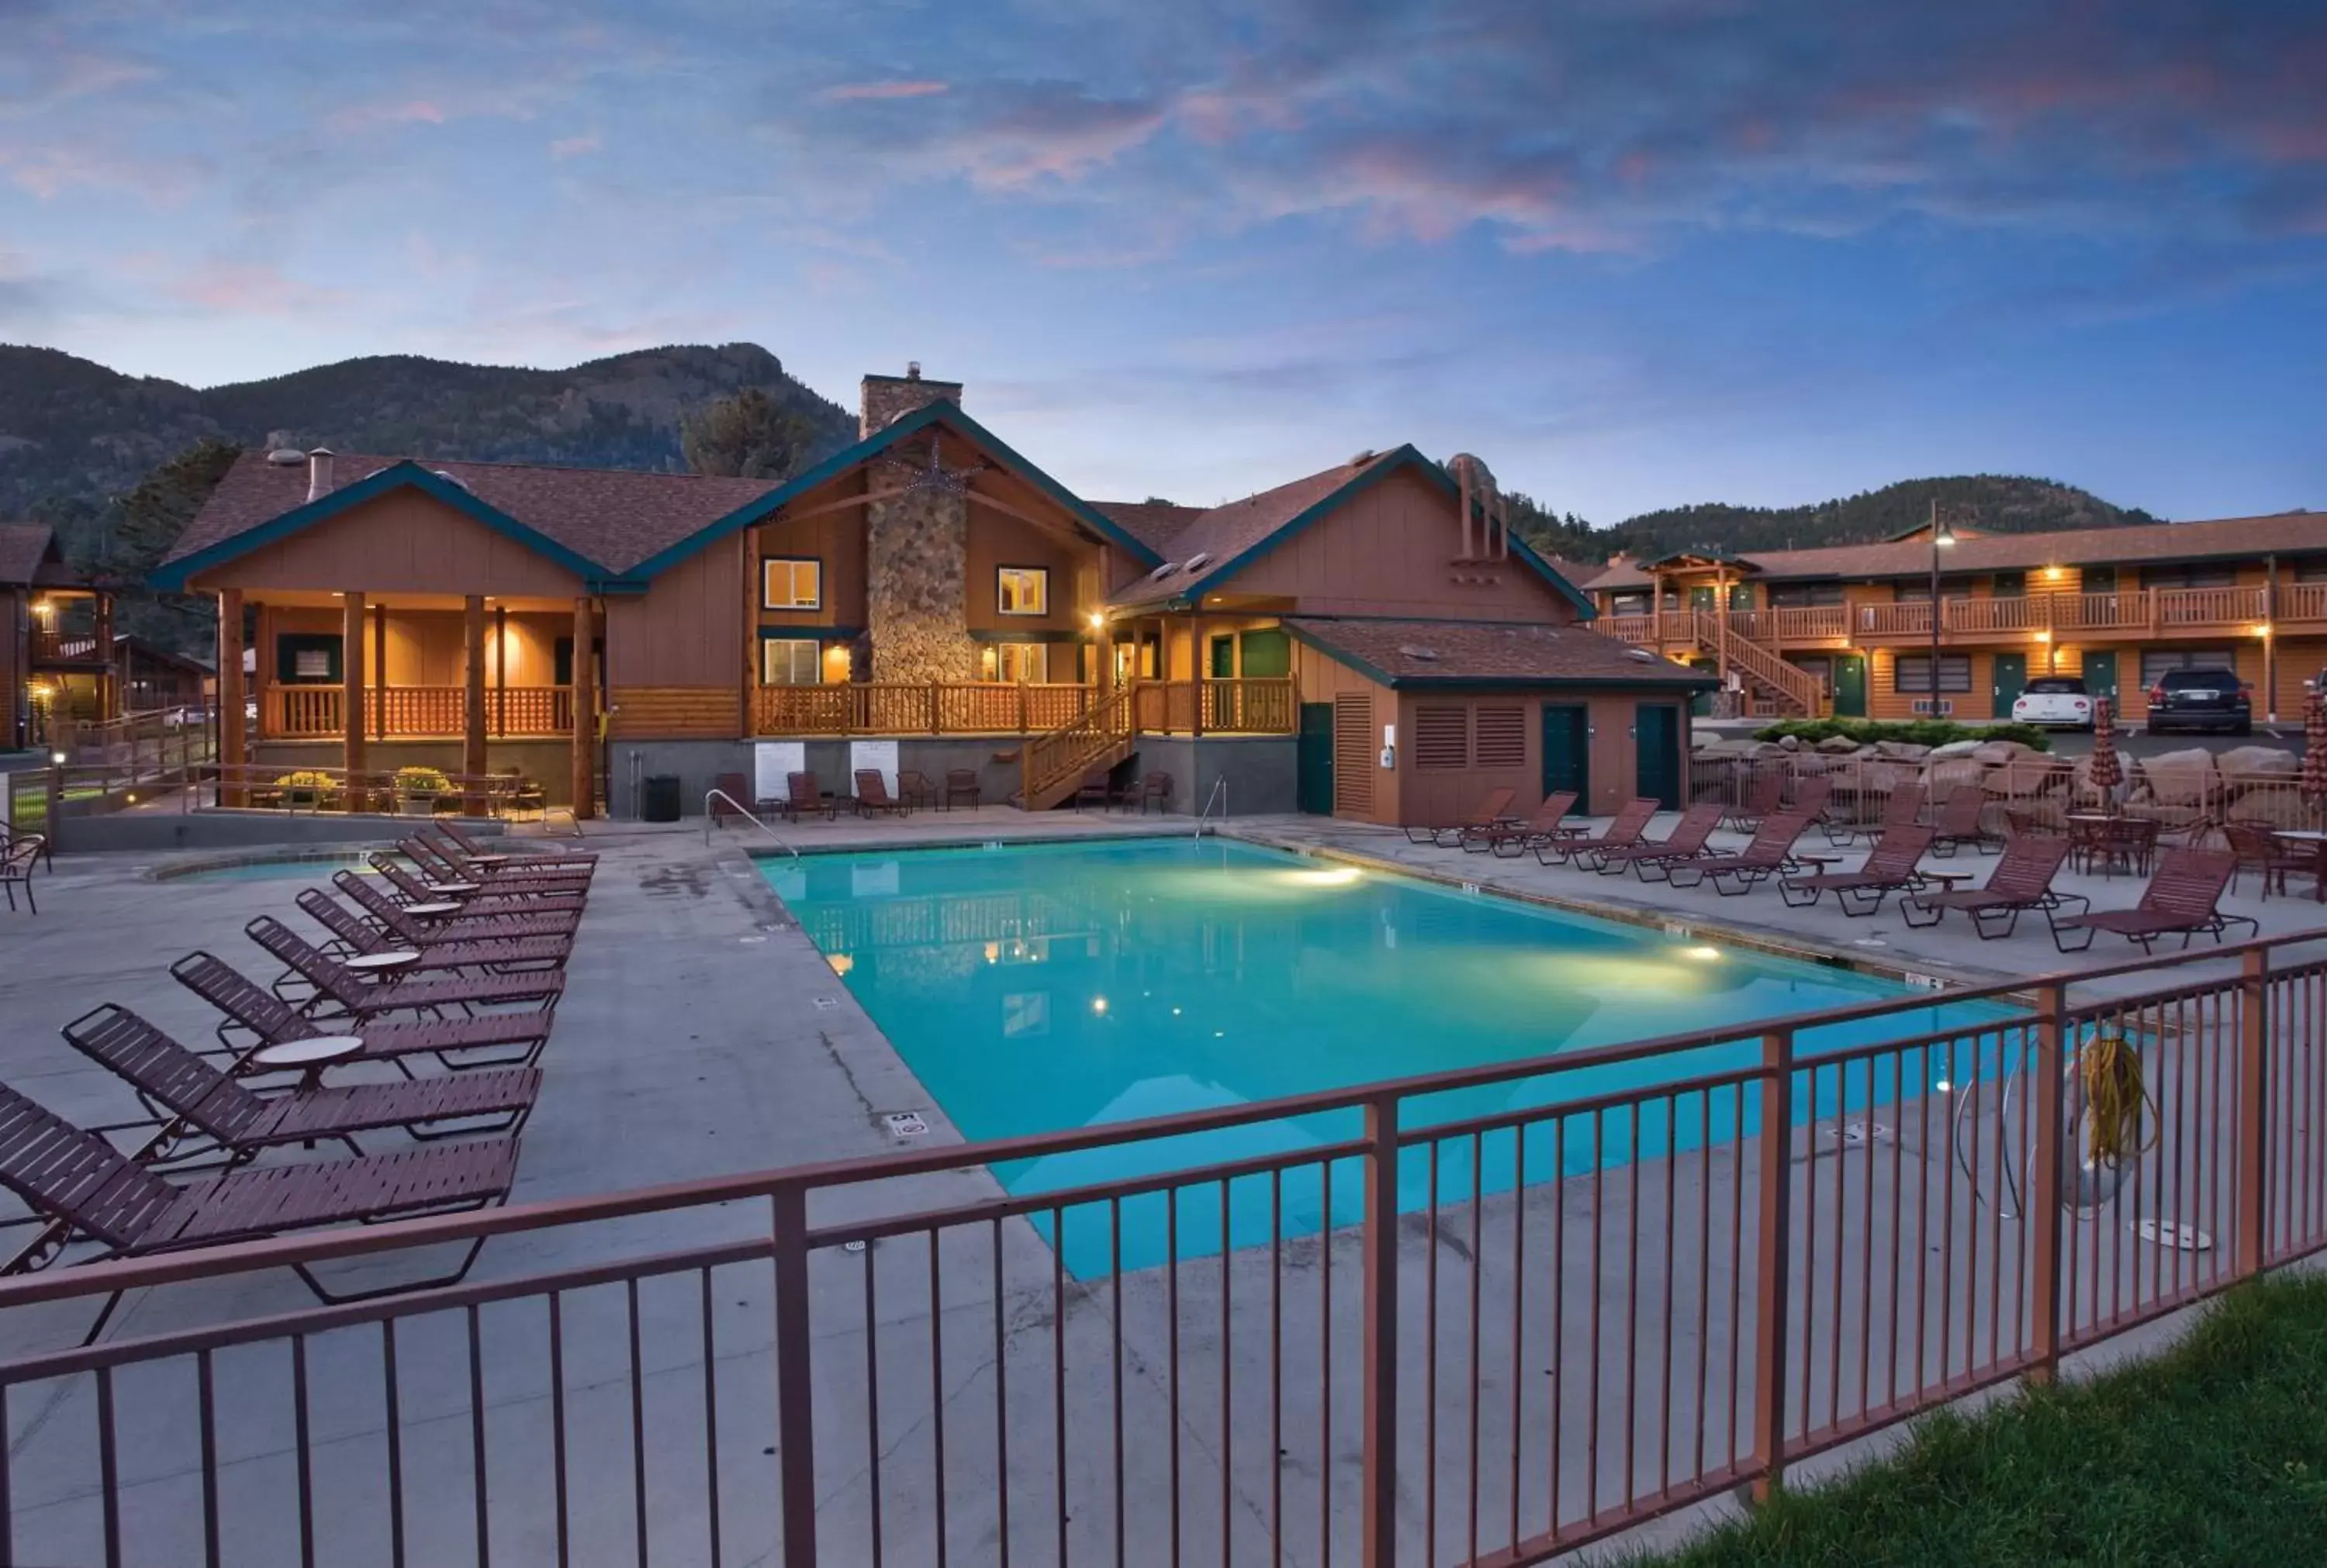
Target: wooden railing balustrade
column 291, row 713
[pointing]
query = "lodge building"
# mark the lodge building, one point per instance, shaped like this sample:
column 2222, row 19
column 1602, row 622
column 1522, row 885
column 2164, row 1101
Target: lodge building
column 1368, row 640
column 56, row 647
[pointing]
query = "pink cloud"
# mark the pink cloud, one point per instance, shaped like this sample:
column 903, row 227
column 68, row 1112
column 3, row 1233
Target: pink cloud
column 574, row 146
column 251, row 288
column 851, row 91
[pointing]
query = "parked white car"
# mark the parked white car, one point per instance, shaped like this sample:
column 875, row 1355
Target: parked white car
column 2054, row 702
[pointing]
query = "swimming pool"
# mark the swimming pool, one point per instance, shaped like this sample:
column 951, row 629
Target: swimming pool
column 1037, row 989
column 310, row 868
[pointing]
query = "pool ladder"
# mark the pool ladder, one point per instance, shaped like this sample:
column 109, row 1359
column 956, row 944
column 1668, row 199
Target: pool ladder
column 1219, row 794
column 747, row 813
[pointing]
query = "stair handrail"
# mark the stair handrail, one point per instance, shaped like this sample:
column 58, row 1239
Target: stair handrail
column 747, row 813
column 1050, row 757
column 1798, row 685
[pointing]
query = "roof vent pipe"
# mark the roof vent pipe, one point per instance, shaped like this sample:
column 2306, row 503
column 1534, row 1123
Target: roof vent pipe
column 913, row 369
column 319, row 473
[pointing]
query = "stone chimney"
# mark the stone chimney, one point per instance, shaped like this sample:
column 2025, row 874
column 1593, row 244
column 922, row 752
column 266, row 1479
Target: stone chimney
column 885, row 399
column 319, row 473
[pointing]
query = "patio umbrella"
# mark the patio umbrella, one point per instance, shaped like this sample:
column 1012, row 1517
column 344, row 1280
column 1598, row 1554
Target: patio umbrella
column 2314, row 749
column 2104, row 770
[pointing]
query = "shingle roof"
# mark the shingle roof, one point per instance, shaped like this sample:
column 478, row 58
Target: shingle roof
column 1402, row 653
column 613, row 518
column 22, row 547
column 1224, row 533
column 2286, row 532
column 1155, row 524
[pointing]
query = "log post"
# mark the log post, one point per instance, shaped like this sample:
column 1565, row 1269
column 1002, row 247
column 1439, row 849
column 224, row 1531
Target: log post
column 586, row 710
column 233, row 738
column 472, row 707
column 351, row 700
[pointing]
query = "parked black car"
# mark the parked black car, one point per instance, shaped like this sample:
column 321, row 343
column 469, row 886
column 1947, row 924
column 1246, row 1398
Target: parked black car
column 2200, row 699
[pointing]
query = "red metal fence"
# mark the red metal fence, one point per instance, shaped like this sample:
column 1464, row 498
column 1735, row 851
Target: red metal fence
column 1327, row 1328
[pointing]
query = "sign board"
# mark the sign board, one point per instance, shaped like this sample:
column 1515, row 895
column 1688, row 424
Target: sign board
column 906, row 1124
column 880, row 754
column 770, row 761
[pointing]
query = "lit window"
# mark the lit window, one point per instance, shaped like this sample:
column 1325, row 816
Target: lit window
column 1016, row 661
column 1023, row 590
column 792, row 585
column 789, row 661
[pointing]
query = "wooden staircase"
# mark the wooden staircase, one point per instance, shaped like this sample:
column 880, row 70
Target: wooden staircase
column 1052, row 765
column 1788, row 682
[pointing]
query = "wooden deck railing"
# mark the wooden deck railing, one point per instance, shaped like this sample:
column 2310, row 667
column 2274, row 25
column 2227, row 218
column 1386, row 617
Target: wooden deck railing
column 1258, row 705
column 292, row 713
column 2233, row 610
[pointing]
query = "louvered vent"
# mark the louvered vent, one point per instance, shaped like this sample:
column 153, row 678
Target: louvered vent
column 1442, row 737
column 1502, row 737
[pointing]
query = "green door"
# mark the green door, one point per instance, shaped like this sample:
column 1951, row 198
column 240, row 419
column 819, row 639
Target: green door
column 2100, row 676
column 1849, row 686
column 1224, row 658
column 1568, row 750
column 1702, row 598
column 1268, row 653
column 1701, row 705
column 1656, row 730
column 2011, row 678
column 1314, row 761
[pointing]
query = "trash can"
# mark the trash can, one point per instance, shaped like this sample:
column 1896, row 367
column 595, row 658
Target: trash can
column 659, row 801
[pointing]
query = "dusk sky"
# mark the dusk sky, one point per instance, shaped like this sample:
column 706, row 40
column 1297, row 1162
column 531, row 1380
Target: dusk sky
column 1634, row 252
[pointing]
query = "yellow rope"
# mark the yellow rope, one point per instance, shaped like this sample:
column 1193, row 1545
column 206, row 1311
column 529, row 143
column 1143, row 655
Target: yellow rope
column 2109, row 1069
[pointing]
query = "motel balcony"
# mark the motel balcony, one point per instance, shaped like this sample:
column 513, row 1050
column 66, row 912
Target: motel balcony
column 412, row 712
column 1263, row 705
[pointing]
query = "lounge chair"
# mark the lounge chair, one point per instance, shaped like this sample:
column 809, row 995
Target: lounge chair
column 422, row 925
column 1764, row 792
column 2181, row 899
column 1903, row 808
column 1685, row 842
column 16, row 860
column 1959, row 823
column 2022, row 879
column 351, row 934
column 1770, row 854
column 470, row 845
column 1624, row 828
column 500, row 881
column 2260, row 849
column 89, row 1190
column 872, row 795
column 1810, row 797
column 1890, row 867
column 1513, row 839
column 470, row 896
column 914, row 787
column 962, row 785
column 492, row 868
column 1483, row 817
column 490, row 1040
column 223, row 1115
column 339, row 990
column 801, row 794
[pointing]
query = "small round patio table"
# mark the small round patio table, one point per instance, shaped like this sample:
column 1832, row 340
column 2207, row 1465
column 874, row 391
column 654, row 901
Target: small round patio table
column 310, row 1057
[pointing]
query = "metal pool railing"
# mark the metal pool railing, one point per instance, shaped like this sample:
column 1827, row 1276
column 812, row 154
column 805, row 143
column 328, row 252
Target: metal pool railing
column 1488, row 1339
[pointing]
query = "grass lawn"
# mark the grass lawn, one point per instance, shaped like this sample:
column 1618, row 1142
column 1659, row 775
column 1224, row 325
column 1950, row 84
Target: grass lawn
column 2214, row 1453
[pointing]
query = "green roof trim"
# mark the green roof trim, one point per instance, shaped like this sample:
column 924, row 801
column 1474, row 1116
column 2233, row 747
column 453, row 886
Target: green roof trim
column 764, row 507
column 404, row 473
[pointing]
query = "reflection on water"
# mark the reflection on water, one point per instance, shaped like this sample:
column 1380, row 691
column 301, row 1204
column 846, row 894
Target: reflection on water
column 1045, row 987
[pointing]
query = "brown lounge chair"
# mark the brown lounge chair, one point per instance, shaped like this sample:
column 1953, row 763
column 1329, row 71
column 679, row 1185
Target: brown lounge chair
column 1763, row 794
column 490, row 868
column 872, row 794
column 220, row 1115
column 1512, row 839
column 472, row 845
column 420, row 926
column 1890, row 868
column 2022, row 879
column 1770, row 852
column 1685, row 842
column 802, row 794
column 498, row 880
column 351, row 934
column 1483, row 819
column 89, row 1189
column 490, row 1040
column 17, row 856
column 1624, row 828
column 2181, row 899
column 1903, row 808
column 962, row 785
column 470, row 896
column 1959, row 823
column 340, row 990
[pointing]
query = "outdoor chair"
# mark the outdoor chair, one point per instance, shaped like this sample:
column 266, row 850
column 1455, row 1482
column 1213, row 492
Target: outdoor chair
column 500, row 880
column 801, row 795
column 1155, row 787
column 1763, row 794
column 1770, row 854
column 1483, row 817
column 352, row 934
column 2113, row 844
column 472, row 845
column 1625, row 829
column 9, row 835
column 914, row 787
column 338, row 990
column 872, row 795
column 2260, row 849
column 2023, row 880
column 1889, row 869
column 470, row 896
column 489, row 870
column 734, row 798
column 16, row 860
column 1512, row 839
column 89, row 1190
column 2028, row 821
column 1094, row 787
column 223, row 1116
column 961, row 786
column 422, row 925
column 1959, row 823
column 1686, row 841
column 490, row 1040
column 1903, row 808
column 1811, row 796
column 2182, row 899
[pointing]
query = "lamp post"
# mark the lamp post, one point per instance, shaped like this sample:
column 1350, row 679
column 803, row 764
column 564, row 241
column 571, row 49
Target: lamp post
column 1943, row 538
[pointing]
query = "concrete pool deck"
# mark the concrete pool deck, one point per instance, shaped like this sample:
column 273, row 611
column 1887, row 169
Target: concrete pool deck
column 703, row 1034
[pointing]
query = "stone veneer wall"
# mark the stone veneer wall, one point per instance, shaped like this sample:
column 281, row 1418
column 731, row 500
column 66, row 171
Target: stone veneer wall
column 917, row 565
column 882, row 400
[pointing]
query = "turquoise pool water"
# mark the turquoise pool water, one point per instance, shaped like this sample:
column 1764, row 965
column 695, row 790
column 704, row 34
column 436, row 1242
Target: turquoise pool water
column 1044, row 987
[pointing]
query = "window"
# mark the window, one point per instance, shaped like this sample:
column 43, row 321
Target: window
column 2010, row 585
column 792, row 585
column 1912, row 672
column 1919, row 593
column 2158, row 662
column 2312, row 570
column 307, row 656
column 1016, row 661
column 1442, row 737
column 2189, row 577
column 1022, row 590
column 1632, row 603
column 1804, row 595
column 790, row 661
column 1502, row 737
column 2098, row 579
